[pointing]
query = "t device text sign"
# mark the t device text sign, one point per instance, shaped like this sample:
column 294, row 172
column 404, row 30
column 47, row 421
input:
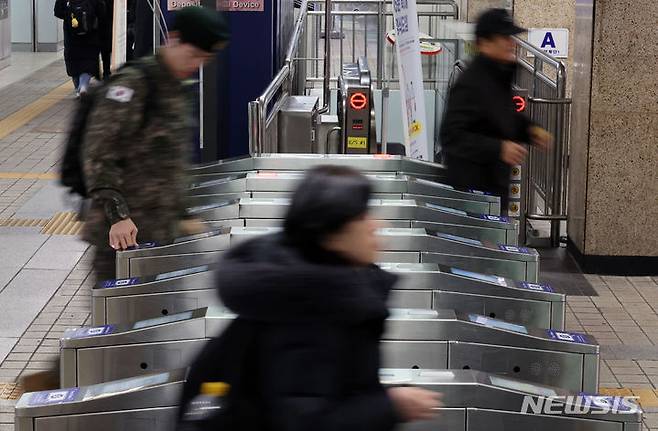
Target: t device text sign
column 553, row 41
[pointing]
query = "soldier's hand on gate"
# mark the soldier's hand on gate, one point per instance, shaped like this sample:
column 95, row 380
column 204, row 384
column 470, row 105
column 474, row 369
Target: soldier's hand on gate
column 540, row 138
column 123, row 234
column 414, row 404
column 191, row 226
column 512, row 153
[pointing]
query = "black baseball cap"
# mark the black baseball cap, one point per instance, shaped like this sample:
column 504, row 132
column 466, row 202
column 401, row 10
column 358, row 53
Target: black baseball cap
column 496, row 22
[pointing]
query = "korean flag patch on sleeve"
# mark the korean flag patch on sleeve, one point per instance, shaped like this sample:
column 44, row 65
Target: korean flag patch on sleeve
column 120, row 94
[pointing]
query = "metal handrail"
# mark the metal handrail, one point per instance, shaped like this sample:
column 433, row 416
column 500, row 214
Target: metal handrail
column 258, row 117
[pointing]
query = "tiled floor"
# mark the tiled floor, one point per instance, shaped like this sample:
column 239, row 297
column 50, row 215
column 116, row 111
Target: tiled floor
column 45, row 284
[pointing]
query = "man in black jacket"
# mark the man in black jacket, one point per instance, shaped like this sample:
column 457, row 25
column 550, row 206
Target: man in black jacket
column 482, row 134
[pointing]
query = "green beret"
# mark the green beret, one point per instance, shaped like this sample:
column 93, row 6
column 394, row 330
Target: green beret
column 201, row 27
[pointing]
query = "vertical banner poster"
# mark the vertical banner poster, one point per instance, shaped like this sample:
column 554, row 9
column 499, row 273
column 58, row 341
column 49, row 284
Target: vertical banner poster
column 119, row 33
column 407, row 45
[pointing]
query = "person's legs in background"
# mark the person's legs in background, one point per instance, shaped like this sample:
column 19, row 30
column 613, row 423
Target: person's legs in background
column 76, row 84
column 106, row 57
column 83, row 86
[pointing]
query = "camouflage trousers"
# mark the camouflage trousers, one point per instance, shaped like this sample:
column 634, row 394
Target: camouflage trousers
column 104, row 263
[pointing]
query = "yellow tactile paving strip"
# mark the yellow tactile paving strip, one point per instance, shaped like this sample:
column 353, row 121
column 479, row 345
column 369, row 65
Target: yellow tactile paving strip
column 647, row 397
column 64, row 223
column 22, row 222
column 24, row 115
column 10, row 391
column 28, row 176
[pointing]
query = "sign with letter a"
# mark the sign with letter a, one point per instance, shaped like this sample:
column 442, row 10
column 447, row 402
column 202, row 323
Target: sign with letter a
column 553, row 41
column 407, row 47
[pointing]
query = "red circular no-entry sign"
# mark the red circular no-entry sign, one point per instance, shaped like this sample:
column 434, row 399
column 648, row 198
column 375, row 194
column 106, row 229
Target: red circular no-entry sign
column 358, row 101
column 520, row 103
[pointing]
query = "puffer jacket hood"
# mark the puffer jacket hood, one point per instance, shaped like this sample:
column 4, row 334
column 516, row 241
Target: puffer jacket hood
column 267, row 279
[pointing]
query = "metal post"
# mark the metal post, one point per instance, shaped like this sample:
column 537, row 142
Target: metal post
column 253, row 127
column 384, row 122
column 326, row 93
column 381, row 26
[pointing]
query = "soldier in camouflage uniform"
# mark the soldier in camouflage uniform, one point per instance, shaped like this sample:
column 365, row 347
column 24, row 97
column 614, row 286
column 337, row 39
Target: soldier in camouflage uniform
column 137, row 143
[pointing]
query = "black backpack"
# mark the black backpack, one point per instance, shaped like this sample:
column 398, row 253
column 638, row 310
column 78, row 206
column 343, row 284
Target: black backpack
column 83, row 17
column 72, row 173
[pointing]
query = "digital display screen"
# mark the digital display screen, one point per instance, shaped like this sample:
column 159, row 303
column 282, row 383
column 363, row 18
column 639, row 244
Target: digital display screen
column 458, row 238
column 528, row 388
column 123, row 386
column 446, row 209
column 181, row 272
column 162, row 320
column 497, row 324
column 476, row 275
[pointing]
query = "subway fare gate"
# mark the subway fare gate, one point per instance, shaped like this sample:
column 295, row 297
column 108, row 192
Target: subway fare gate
column 356, row 110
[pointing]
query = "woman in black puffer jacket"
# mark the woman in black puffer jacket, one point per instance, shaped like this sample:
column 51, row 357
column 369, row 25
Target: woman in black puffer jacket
column 311, row 307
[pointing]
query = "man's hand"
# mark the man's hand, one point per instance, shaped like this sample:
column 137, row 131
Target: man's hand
column 191, row 226
column 123, row 234
column 415, row 404
column 540, row 138
column 512, row 153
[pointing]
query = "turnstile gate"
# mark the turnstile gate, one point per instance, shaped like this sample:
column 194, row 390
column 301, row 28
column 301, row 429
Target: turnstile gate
column 472, row 401
column 356, row 109
column 399, row 246
column 268, row 212
column 270, row 184
column 302, row 162
column 420, row 286
column 143, row 403
column 412, row 339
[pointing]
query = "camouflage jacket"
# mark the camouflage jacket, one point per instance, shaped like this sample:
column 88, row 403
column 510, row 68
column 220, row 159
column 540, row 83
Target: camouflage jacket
column 135, row 160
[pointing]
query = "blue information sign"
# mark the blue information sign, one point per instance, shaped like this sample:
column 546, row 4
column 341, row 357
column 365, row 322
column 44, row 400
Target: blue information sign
column 121, row 282
column 53, row 397
column 94, row 331
column 571, row 337
column 539, row 287
column 489, row 217
column 514, row 249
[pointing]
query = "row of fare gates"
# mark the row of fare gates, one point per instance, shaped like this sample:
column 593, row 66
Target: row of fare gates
column 469, row 319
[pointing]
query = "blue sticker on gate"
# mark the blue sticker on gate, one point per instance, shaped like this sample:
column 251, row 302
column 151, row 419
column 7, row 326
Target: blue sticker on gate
column 538, row 287
column 501, row 219
column 480, row 192
column 94, row 331
column 142, row 246
column 514, row 249
column 46, row 398
column 121, row 282
column 571, row 337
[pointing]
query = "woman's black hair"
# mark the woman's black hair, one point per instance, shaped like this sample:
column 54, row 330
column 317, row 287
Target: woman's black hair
column 328, row 198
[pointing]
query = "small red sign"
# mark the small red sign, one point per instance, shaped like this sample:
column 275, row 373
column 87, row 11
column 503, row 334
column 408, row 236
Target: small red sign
column 520, row 103
column 241, row 5
column 358, row 101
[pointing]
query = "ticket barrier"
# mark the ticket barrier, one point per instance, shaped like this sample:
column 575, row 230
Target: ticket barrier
column 183, row 253
column 261, row 212
column 472, row 401
column 399, row 246
column 413, row 338
column 420, row 286
column 302, row 162
column 268, row 184
column 143, row 403
column 478, row 401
